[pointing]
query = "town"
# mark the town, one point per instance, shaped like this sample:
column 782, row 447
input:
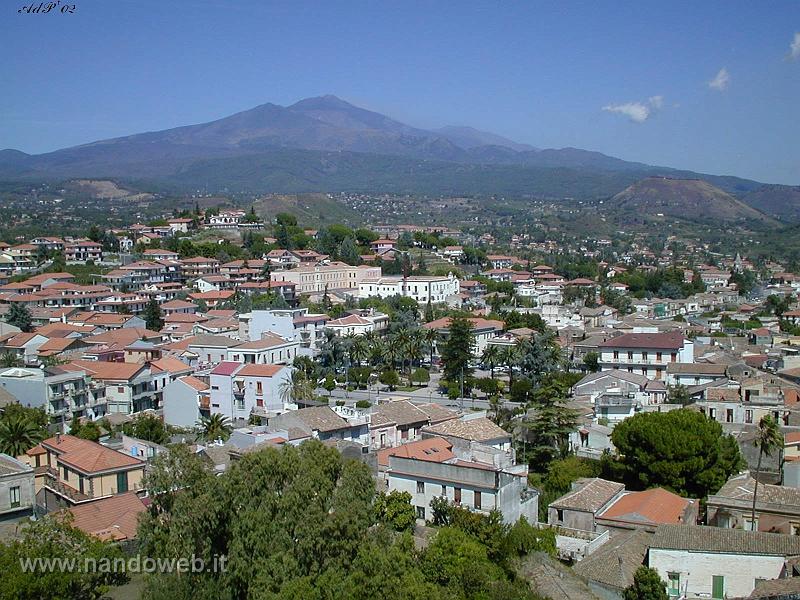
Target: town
column 618, row 413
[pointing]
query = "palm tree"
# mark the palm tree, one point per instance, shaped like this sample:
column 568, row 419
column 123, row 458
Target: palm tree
column 18, row 435
column 413, row 351
column 297, row 387
column 359, row 349
column 215, row 427
column 768, row 437
column 491, row 356
column 430, row 336
column 9, row 359
column 509, row 357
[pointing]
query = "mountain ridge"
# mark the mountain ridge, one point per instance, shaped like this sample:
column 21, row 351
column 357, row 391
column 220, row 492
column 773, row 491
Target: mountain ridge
column 326, row 135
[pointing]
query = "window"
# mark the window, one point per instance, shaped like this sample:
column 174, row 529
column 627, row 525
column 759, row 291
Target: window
column 674, row 585
column 421, row 512
column 444, row 490
column 644, row 355
column 560, row 515
column 712, row 413
column 120, row 389
column 658, row 356
column 673, row 357
column 630, row 355
column 258, row 388
column 718, row 587
column 457, row 495
column 14, row 496
column 477, row 500
column 729, row 415
column 122, row 482
column 616, row 354
column 420, row 487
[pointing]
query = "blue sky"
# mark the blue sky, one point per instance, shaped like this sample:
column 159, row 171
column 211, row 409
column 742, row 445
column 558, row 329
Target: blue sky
column 540, row 73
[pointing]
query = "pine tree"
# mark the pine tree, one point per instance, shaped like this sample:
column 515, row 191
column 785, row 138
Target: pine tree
column 457, row 350
column 152, row 316
column 19, row 316
column 429, row 311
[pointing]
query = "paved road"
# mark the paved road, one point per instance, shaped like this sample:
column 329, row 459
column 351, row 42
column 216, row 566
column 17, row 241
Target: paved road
column 425, row 394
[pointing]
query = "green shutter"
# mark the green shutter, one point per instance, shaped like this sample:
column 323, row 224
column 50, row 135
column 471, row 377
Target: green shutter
column 718, row 587
column 122, row 482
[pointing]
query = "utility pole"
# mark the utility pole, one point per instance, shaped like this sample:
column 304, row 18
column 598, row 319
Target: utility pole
column 461, row 397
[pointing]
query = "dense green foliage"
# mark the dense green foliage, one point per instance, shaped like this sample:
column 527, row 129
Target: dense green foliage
column 54, row 538
column 21, row 428
column 647, row 585
column 681, row 450
column 301, row 522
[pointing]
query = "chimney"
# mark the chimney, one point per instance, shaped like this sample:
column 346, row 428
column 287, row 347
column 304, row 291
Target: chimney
column 58, row 437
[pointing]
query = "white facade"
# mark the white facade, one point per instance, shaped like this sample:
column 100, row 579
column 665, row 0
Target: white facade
column 645, row 354
column 693, row 572
column 421, row 288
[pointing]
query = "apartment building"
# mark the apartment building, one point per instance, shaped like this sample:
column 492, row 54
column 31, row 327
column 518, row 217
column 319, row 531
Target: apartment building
column 63, row 393
column 237, row 390
column 645, row 353
column 309, row 279
column 70, row 470
column 421, row 288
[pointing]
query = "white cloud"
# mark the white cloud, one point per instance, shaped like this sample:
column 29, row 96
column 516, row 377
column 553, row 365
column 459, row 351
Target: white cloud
column 721, row 80
column 638, row 112
column 794, row 47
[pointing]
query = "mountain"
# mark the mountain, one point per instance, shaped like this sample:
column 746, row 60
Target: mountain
column 782, row 201
column 690, row 199
column 327, row 144
column 469, row 137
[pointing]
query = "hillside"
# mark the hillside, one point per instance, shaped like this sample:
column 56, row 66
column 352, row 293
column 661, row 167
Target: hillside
column 327, row 144
column 689, row 199
column 782, row 201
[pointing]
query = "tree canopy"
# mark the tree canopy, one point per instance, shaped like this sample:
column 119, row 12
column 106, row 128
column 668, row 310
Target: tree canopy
column 681, row 450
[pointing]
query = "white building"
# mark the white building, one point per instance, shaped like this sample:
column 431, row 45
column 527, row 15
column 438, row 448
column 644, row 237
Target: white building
column 421, row 288
column 480, row 478
column 310, row 279
column 645, row 353
column 238, row 389
column 717, row 563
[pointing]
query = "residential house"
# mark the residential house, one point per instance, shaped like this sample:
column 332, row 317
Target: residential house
column 185, row 401
column 717, row 563
column 115, row 518
column 422, row 288
column 433, row 468
column 238, row 389
column 17, row 493
column 483, row 331
column 645, row 353
column 471, row 428
column 777, row 506
column 695, row 373
column 127, row 386
column 63, row 393
column 70, row 470
column 270, row 349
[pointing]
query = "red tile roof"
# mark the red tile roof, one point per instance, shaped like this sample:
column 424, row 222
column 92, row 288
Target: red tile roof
column 115, row 518
column 666, row 341
column 253, row 370
column 656, row 505
column 435, row 449
column 226, row 368
column 89, row 457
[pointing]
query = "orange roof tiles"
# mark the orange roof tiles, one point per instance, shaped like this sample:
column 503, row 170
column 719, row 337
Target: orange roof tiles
column 89, row 457
column 252, row 370
column 115, row 518
column 655, row 505
column 432, row 450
